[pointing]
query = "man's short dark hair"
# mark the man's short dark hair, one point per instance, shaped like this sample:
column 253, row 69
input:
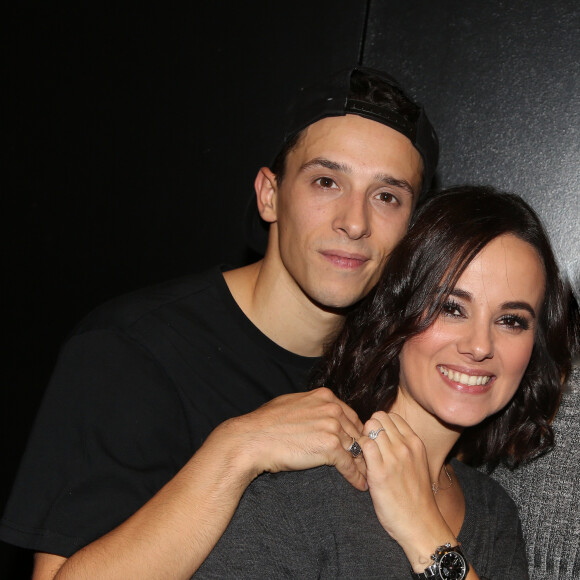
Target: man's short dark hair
column 366, row 86
column 361, row 91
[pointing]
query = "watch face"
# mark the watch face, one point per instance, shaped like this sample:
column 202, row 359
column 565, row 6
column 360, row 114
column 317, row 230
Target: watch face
column 452, row 566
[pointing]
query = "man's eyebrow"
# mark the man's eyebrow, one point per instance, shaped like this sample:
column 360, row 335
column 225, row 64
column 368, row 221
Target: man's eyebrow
column 513, row 305
column 399, row 183
column 327, row 164
column 344, row 168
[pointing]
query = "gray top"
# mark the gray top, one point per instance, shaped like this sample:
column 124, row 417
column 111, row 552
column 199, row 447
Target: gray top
column 547, row 493
column 313, row 524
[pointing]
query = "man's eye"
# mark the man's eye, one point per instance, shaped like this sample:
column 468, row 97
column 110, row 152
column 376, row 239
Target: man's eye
column 388, row 197
column 326, row 182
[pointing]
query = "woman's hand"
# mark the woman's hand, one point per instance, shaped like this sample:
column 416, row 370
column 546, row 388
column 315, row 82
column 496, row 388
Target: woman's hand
column 400, row 487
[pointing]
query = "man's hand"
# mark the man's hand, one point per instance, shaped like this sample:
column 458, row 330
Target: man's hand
column 300, row 431
column 172, row 534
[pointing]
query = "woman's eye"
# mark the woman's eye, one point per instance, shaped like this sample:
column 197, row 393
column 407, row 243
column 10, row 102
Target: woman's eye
column 326, row 182
column 514, row 322
column 452, row 309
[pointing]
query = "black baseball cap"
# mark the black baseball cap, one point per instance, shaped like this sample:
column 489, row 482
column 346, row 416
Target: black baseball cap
column 334, row 96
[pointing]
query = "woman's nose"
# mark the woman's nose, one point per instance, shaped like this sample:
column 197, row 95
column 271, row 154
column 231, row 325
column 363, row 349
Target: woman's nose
column 477, row 342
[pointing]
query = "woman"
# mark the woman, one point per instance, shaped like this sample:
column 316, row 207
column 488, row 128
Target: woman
column 459, row 351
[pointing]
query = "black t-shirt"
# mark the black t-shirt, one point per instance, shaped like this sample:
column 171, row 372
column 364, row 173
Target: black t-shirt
column 136, row 390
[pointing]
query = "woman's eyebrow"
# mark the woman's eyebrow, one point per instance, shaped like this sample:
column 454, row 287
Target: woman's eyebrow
column 519, row 306
column 511, row 305
column 464, row 294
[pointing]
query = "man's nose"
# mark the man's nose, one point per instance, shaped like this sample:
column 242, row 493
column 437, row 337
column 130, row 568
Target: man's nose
column 352, row 217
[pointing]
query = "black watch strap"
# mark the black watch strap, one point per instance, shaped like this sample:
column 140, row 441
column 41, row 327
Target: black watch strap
column 449, row 563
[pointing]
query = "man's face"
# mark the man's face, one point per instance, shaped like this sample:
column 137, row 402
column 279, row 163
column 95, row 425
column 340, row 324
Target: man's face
column 345, row 201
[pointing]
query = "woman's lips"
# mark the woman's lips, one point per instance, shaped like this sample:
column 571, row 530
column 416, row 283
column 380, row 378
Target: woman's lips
column 473, row 381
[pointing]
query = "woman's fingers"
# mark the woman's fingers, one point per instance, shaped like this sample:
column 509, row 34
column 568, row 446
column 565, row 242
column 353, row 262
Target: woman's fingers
column 393, row 424
column 392, row 449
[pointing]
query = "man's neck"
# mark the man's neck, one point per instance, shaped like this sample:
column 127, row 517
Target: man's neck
column 280, row 309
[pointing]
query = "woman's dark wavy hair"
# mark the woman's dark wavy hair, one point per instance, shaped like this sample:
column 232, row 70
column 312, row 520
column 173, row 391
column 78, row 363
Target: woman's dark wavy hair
column 448, row 230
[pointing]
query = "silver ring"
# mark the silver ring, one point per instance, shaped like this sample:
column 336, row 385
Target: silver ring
column 375, row 433
column 355, row 448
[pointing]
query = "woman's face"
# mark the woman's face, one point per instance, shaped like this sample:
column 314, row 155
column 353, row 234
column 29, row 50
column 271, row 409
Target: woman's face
column 469, row 363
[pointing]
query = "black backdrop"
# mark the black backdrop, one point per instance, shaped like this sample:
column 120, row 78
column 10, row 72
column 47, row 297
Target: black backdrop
column 133, row 135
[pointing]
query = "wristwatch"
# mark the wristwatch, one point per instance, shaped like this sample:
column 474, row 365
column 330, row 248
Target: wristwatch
column 449, row 563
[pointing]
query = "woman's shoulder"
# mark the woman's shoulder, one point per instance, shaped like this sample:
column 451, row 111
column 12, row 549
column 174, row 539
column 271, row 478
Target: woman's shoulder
column 293, row 485
column 479, row 488
column 491, row 532
column 306, row 497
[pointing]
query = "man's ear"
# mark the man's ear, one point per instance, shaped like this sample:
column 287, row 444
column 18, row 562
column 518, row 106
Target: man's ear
column 266, row 194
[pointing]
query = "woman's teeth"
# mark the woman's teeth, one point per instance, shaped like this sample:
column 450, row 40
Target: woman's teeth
column 463, row 378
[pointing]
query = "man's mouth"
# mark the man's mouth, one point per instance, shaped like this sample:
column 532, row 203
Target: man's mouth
column 464, row 378
column 345, row 259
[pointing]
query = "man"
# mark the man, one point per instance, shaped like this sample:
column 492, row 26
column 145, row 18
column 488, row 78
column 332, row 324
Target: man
column 152, row 426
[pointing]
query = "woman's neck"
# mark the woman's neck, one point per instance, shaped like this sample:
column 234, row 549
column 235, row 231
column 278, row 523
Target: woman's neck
column 437, row 437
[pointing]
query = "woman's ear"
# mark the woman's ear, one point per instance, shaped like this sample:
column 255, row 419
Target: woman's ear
column 266, row 194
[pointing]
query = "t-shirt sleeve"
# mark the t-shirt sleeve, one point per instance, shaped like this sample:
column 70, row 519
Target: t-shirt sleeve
column 109, row 433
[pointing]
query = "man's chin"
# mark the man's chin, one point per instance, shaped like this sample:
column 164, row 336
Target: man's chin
column 338, row 303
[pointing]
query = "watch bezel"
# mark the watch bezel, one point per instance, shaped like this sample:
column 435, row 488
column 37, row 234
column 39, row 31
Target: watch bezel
column 445, row 554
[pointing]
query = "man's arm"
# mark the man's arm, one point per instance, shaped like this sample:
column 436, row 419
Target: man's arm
column 172, row 534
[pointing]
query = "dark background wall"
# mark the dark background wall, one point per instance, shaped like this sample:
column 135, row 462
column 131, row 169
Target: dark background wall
column 501, row 81
column 133, row 136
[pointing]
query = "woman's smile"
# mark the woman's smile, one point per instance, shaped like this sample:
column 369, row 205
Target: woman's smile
column 467, row 378
column 479, row 346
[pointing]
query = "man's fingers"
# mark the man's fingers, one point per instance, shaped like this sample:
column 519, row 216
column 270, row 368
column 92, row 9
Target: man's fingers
column 351, row 416
column 342, row 410
column 304, row 430
column 353, row 470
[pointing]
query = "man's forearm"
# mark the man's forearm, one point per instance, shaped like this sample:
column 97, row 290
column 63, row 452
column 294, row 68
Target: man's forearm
column 172, row 534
